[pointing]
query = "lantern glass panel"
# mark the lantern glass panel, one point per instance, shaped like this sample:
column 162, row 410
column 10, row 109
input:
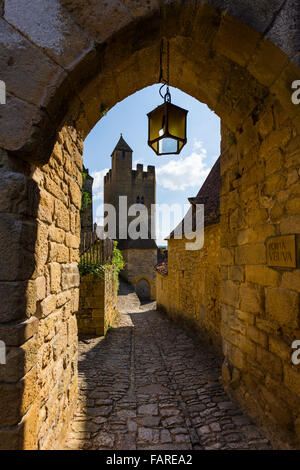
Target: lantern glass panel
column 156, row 121
column 168, row 145
column 176, row 121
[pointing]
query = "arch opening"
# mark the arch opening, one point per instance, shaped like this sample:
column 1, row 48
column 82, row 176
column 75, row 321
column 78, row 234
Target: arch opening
column 143, row 289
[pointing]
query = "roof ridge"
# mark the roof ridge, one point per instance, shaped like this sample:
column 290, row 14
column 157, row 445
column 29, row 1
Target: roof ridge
column 122, row 145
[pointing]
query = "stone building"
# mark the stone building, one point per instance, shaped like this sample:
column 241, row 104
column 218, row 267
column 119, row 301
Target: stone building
column 139, row 187
column 188, row 281
column 86, row 214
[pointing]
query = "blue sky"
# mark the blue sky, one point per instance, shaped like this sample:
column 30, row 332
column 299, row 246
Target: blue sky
column 177, row 176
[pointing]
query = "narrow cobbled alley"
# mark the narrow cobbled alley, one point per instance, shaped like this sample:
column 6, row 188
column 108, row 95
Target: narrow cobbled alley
column 149, row 385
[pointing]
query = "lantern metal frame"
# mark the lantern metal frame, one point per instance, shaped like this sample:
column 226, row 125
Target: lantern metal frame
column 166, row 110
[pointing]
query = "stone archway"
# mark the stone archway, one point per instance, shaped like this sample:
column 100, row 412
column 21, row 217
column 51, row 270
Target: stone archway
column 239, row 61
column 143, row 290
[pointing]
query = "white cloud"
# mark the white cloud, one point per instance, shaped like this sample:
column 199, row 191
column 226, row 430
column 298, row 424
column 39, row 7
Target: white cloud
column 198, row 144
column 98, row 194
column 99, row 210
column 182, row 173
column 98, row 184
column 99, row 214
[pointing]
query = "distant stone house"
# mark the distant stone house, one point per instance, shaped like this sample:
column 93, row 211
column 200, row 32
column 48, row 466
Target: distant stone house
column 187, row 286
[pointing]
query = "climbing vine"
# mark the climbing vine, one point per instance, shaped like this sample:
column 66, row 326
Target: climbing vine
column 117, row 263
column 98, row 270
column 85, row 196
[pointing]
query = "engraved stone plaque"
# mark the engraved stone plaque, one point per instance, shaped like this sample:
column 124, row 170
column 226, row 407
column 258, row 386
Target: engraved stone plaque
column 281, row 251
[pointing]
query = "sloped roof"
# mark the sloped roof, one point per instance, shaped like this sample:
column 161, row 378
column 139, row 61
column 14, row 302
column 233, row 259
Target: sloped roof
column 209, row 195
column 162, row 268
column 122, row 145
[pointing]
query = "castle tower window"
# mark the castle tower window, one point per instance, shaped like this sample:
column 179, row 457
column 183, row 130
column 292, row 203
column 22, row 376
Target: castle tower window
column 123, row 153
column 142, row 200
column 138, row 199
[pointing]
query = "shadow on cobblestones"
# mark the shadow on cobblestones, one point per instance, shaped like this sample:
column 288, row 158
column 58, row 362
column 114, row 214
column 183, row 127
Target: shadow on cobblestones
column 149, row 385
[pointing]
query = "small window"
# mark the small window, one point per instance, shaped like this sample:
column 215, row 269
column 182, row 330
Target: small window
column 142, row 200
column 138, row 199
column 123, row 153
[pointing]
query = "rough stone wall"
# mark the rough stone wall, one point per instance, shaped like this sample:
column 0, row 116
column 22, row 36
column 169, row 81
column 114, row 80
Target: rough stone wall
column 97, row 304
column 111, row 302
column 139, row 264
column 68, row 54
column 190, row 292
column 260, row 304
column 40, row 230
column 60, row 191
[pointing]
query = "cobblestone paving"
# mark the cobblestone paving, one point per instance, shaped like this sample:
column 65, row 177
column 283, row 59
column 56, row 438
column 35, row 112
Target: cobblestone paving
column 148, row 385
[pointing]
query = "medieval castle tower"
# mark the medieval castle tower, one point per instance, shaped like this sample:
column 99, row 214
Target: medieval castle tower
column 139, row 255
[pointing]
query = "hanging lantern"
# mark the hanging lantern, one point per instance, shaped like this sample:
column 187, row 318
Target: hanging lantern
column 167, row 128
column 166, row 123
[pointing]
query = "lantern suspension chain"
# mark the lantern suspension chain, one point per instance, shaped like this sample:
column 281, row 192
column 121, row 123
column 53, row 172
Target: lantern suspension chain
column 167, row 96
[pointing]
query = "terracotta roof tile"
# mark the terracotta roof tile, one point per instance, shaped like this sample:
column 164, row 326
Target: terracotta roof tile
column 162, row 268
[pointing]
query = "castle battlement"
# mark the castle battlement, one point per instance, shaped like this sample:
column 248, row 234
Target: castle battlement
column 108, row 177
column 139, row 173
column 121, row 177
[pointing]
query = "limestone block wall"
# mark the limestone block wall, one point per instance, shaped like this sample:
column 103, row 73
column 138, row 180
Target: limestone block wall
column 162, row 291
column 260, row 304
column 97, row 304
column 139, row 264
column 39, row 237
column 190, row 292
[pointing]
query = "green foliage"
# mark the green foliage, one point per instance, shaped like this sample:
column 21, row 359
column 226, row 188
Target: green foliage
column 99, row 270
column 117, row 263
column 107, row 325
column 96, row 269
column 85, row 196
